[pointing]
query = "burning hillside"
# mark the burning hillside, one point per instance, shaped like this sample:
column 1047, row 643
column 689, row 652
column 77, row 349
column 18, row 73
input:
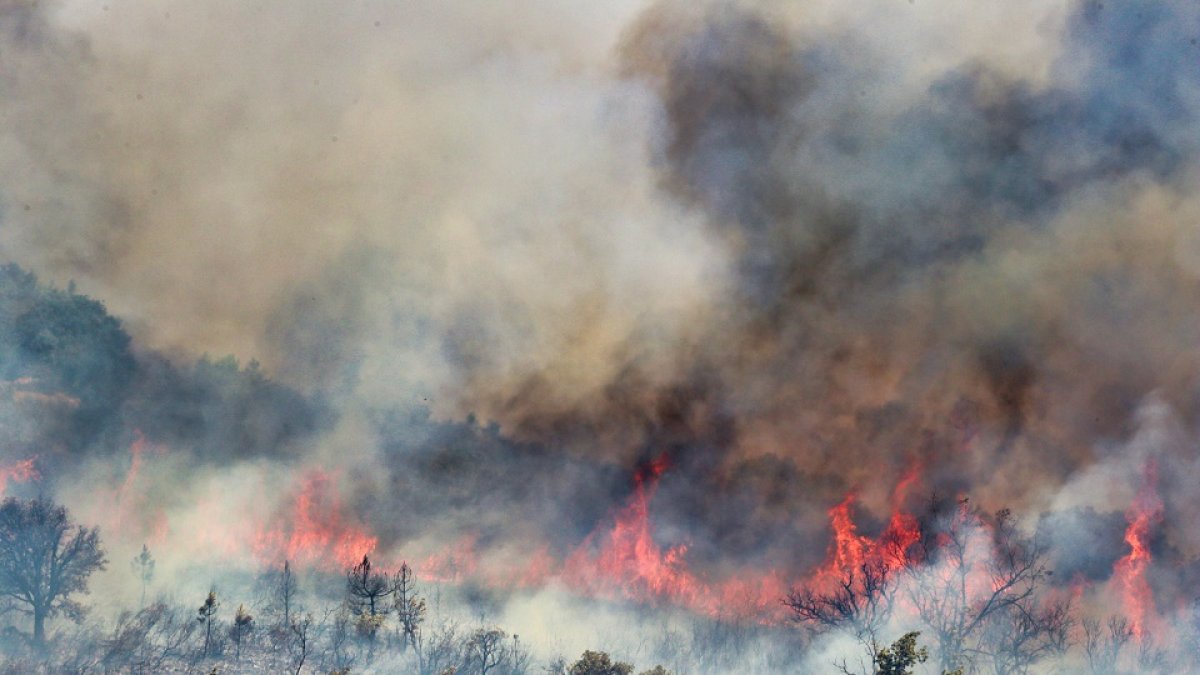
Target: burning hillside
column 730, row 335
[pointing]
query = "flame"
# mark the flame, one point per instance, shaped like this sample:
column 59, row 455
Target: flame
column 20, row 472
column 625, row 561
column 849, row 551
column 629, row 559
column 314, row 532
column 1143, row 515
column 153, row 527
column 454, row 564
column 902, row 530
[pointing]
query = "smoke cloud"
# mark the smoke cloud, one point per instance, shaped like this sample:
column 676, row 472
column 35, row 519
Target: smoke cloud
column 487, row 263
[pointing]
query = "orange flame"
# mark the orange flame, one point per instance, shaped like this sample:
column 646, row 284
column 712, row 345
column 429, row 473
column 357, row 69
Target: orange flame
column 315, row 532
column 629, row 563
column 849, row 551
column 630, row 559
column 1130, row 571
column 150, row 527
column 20, row 472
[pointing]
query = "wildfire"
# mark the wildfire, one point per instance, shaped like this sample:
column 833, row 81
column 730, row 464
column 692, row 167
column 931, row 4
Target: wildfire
column 129, row 501
column 1130, row 571
column 629, row 559
column 315, row 531
column 21, row 472
column 849, row 551
column 626, row 561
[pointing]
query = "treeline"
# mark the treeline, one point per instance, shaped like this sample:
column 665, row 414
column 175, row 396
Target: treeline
column 380, row 624
column 372, row 619
column 71, row 381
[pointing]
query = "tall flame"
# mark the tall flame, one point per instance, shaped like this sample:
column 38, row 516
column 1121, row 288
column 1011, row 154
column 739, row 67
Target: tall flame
column 626, row 561
column 314, row 531
column 629, row 559
column 1143, row 516
column 849, row 551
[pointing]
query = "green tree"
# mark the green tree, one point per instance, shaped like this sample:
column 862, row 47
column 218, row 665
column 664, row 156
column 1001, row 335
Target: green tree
column 45, row 559
column 900, row 658
column 598, row 663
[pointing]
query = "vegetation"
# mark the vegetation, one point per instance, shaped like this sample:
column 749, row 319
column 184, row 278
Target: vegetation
column 66, row 349
column 45, row 559
column 143, row 568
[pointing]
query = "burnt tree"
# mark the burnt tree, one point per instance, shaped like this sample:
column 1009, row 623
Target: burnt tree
column 410, row 607
column 206, row 615
column 860, row 604
column 368, row 589
column 978, row 587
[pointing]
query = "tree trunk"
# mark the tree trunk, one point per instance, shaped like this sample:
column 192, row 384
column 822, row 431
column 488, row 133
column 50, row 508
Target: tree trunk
column 39, row 627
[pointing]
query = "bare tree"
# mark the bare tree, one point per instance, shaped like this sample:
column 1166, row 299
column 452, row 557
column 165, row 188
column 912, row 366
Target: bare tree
column 44, row 560
column 142, row 566
column 278, row 594
column 337, row 622
column 975, row 573
column 410, row 607
column 146, row 641
column 860, row 604
column 1103, row 645
column 439, row 650
column 1111, row 646
column 298, row 647
column 1026, row 632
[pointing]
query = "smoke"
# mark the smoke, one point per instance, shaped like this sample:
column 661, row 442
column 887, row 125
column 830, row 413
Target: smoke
column 493, row 259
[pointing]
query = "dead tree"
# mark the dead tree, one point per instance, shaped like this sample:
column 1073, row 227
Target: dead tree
column 410, row 607
column 860, row 605
column 298, row 647
column 279, row 591
column 147, row 641
column 976, row 572
column 367, row 588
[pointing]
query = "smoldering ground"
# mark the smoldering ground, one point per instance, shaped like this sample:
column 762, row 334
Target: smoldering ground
column 492, row 260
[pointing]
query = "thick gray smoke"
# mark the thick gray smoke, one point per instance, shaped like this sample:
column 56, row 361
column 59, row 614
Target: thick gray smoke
column 493, row 258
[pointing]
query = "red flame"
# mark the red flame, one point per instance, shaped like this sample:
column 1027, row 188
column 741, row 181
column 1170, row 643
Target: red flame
column 849, row 550
column 1130, row 571
column 456, row 563
column 315, row 532
column 129, row 514
column 626, row 561
column 21, row 472
column 629, row 559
